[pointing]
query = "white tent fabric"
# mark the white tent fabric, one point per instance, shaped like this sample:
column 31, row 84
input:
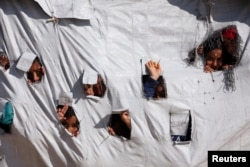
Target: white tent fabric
column 79, row 9
column 127, row 31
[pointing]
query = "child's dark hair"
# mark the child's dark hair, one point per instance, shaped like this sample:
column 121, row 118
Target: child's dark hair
column 119, row 127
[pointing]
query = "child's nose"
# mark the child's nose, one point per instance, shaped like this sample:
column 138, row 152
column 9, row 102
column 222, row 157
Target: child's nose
column 36, row 77
column 215, row 64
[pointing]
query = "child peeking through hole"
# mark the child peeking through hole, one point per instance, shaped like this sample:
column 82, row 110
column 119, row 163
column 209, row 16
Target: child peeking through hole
column 32, row 65
column 4, row 60
column 36, row 71
column 68, row 119
column 153, row 83
column 93, row 84
column 120, row 124
column 221, row 50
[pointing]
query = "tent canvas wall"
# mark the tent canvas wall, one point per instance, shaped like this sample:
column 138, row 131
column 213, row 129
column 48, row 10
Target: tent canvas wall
column 111, row 37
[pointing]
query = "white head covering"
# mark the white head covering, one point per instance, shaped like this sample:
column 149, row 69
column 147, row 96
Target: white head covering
column 89, row 77
column 120, row 103
column 65, row 98
column 25, row 61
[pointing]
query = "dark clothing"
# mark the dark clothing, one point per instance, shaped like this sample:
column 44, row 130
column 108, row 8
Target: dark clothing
column 149, row 87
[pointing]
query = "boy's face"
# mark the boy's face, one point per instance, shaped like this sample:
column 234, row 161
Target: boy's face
column 71, row 125
column 125, row 117
column 214, row 59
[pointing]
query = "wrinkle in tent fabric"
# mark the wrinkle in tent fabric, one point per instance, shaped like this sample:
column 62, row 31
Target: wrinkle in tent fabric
column 126, row 31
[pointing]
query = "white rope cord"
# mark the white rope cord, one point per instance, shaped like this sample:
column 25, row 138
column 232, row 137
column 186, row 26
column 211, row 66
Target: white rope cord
column 51, row 8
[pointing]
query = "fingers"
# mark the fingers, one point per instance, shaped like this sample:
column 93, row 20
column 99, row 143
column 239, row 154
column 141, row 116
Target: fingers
column 227, row 67
column 150, row 64
column 65, row 108
column 208, row 69
column 61, row 112
column 111, row 131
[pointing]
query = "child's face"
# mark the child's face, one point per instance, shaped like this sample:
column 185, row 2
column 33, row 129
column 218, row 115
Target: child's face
column 125, row 117
column 3, row 60
column 88, row 89
column 71, row 124
column 95, row 89
column 35, row 72
column 214, row 59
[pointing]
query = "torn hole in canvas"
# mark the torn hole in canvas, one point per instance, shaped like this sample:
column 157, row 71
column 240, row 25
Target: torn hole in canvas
column 154, row 86
column 32, row 66
column 93, row 84
column 180, row 126
column 66, row 114
column 120, row 124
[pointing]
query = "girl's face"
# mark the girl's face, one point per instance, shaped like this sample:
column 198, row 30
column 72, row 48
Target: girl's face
column 72, row 125
column 214, row 59
column 125, row 117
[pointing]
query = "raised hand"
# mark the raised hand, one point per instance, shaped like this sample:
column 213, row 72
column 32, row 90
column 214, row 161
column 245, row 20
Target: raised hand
column 154, row 69
column 61, row 112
